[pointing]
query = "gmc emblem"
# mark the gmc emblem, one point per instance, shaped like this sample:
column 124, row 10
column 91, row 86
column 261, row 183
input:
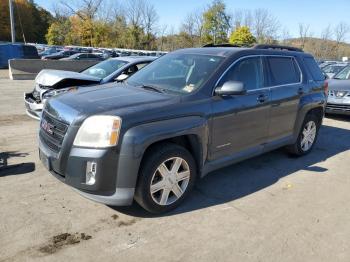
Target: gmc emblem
column 47, row 126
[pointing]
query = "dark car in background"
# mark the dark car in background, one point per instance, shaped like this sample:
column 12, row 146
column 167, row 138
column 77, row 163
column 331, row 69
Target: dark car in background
column 84, row 57
column 49, row 83
column 186, row 114
column 59, row 55
column 48, row 51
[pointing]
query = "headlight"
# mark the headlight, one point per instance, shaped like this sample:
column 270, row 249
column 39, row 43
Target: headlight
column 99, row 132
column 52, row 93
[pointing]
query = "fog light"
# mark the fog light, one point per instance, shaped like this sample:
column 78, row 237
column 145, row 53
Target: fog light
column 90, row 176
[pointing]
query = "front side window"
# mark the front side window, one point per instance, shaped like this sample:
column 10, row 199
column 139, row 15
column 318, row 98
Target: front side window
column 177, row 73
column 283, row 71
column 248, row 71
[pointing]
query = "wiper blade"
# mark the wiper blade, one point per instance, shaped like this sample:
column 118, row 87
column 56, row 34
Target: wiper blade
column 151, row 87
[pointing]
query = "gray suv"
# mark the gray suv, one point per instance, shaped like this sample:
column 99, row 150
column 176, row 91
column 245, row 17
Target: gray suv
column 188, row 113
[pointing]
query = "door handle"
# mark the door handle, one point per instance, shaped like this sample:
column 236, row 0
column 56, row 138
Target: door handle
column 262, row 98
column 300, row 91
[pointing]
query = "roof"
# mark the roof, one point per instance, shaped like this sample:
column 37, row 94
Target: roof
column 131, row 59
column 229, row 50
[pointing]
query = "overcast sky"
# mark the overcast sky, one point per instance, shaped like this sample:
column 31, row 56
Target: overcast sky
column 317, row 13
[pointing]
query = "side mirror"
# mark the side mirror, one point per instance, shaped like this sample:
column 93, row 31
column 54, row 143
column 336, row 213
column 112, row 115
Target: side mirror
column 231, row 88
column 121, row 77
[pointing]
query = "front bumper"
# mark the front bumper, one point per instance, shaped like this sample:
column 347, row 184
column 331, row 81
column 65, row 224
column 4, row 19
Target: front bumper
column 121, row 197
column 33, row 108
column 71, row 170
column 338, row 108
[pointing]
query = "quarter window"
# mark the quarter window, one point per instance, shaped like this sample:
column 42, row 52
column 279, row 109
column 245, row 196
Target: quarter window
column 314, row 69
column 248, row 71
column 283, row 71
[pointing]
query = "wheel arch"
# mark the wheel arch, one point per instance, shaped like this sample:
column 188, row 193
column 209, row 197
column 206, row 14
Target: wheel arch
column 311, row 108
column 189, row 132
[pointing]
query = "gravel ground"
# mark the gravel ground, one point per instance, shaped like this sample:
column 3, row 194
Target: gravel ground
column 270, row 208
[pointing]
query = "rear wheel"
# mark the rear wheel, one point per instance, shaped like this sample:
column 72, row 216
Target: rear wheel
column 307, row 136
column 166, row 176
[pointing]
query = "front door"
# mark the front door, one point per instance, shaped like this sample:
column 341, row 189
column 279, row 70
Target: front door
column 240, row 123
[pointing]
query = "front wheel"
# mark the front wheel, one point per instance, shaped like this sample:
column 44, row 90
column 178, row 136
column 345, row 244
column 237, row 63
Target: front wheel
column 166, row 176
column 307, row 136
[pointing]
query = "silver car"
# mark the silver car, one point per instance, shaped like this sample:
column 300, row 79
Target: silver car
column 334, row 69
column 338, row 101
column 49, row 83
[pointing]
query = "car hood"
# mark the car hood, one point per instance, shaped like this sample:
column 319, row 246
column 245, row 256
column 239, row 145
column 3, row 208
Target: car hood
column 339, row 85
column 111, row 99
column 48, row 77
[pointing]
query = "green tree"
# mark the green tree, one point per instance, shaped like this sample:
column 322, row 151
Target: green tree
column 216, row 23
column 58, row 32
column 242, row 36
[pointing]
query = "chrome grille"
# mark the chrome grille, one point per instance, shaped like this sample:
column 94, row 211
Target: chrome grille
column 52, row 132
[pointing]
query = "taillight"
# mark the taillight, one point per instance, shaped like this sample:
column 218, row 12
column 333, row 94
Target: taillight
column 325, row 86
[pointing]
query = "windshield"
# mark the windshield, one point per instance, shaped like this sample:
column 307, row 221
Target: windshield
column 105, row 68
column 333, row 69
column 344, row 74
column 177, row 73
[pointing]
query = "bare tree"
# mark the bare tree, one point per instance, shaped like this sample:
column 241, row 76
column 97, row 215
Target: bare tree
column 188, row 27
column 198, row 23
column 265, row 26
column 134, row 12
column 242, row 18
column 85, row 9
column 149, row 17
column 161, row 35
column 285, row 37
column 304, row 34
column 237, row 19
column 341, row 31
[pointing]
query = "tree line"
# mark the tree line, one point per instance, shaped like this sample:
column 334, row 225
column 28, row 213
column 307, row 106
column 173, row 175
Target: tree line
column 134, row 24
column 32, row 21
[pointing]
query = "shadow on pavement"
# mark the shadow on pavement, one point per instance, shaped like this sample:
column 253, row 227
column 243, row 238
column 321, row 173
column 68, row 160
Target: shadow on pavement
column 17, row 169
column 253, row 175
column 338, row 117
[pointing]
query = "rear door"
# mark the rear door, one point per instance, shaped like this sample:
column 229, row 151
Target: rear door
column 285, row 81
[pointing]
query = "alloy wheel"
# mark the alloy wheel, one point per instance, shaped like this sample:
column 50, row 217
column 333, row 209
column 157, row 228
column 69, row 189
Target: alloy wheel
column 170, row 180
column 308, row 135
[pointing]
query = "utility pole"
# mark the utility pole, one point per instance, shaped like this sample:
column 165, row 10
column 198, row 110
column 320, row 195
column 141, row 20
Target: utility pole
column 13, row 33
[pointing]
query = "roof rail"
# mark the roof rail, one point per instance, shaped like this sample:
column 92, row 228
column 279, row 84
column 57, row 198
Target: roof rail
column 278, row 47
column 222, row 45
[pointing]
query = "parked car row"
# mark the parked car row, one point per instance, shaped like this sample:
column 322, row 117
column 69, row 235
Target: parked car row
column 58, row 52
column 151, row 136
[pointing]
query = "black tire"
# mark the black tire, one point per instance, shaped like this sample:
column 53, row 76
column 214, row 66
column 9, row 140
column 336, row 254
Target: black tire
column 154, row 158
column 296, row 149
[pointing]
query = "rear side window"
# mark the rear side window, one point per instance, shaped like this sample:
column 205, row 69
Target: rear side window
column 283, row 71
column 313, row 69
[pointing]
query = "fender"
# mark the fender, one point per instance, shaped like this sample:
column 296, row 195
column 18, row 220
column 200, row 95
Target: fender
column 137, row 139
column 307, row 103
